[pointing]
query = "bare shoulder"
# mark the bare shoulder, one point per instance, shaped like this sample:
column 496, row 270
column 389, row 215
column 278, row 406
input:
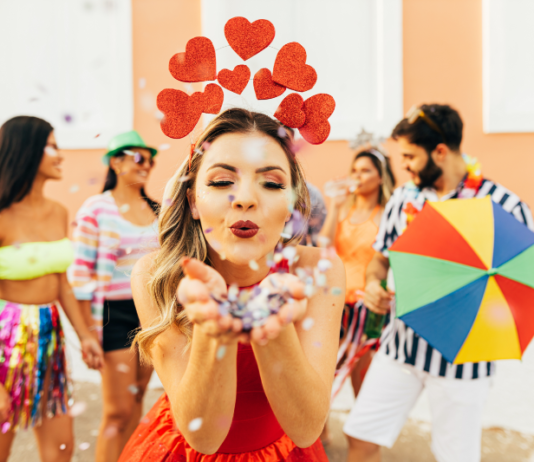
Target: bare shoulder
column 144, row 268
column 141, row 275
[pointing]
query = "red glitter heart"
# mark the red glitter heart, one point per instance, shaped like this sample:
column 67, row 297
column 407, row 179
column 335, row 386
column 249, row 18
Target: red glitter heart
column 197, row 64
column 290, row 68
column 213, row 98
column 248, row 39
column 318, row 109
column 290, row 111
column 181, row 111
column 235, row 80
column 265, row 87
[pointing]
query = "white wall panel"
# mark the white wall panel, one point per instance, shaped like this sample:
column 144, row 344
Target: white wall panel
column 69, row 62
column 508, row 66
column 354, row 45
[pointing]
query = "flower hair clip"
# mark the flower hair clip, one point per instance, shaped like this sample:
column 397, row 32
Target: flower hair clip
column 199, row 64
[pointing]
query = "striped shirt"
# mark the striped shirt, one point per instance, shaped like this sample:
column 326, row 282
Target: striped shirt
column 106, row 246
column 398, row 340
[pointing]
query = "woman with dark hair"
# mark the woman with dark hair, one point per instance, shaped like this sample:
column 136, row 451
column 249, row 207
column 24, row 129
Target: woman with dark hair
column 113, row 230
column 236, row 390
column 352, row 225
column 34, row 255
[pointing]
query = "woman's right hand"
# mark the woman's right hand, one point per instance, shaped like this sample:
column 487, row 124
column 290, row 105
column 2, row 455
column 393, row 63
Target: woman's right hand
column 194, row 295
column 5, row 404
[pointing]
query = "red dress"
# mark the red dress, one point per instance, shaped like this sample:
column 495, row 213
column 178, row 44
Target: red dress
column 255, row 434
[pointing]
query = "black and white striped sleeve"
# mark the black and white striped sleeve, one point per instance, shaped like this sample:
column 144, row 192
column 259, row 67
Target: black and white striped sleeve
column 387, row 232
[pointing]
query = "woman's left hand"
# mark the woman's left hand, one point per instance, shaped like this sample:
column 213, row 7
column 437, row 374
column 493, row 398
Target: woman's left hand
column 292, row 311
column 92, row 353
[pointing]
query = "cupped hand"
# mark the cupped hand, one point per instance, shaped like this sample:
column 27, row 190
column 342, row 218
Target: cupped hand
column 194, row 294
column 293, row 310
column 376, row 298
column 5, row 404
column 92, row 353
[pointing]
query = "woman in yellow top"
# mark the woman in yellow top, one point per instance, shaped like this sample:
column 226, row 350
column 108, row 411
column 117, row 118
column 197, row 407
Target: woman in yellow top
column 34, row 255
column 352, row 225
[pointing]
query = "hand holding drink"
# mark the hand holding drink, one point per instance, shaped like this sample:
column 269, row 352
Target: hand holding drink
column 338, row 190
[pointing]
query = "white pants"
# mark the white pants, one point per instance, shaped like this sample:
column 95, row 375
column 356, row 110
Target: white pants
column 389, row 392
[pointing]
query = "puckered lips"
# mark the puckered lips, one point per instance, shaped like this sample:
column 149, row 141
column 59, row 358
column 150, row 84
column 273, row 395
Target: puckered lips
column 244, row 229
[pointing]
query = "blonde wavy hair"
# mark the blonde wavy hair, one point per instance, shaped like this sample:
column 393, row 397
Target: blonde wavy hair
column 180, row 235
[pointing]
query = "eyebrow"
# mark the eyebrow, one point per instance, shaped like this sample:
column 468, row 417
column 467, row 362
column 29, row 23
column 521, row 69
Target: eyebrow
column 259, row 170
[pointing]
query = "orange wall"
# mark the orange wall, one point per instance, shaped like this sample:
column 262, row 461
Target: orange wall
column 442, row 63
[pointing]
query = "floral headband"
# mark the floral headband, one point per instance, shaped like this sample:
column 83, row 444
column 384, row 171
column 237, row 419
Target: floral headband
column 198, row 64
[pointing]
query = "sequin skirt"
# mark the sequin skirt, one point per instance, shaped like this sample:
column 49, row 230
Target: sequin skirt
column 31, row 342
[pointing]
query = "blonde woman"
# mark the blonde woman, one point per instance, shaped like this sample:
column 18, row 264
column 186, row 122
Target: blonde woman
column 352, row 225
column 232, row 395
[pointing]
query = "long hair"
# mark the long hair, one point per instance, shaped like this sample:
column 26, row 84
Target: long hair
column 111, row 182
column 385, row 171
column 22, row 144
column 180, row 235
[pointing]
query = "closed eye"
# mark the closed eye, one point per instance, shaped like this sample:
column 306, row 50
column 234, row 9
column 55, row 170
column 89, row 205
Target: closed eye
column 273, row 185
column 220, row 184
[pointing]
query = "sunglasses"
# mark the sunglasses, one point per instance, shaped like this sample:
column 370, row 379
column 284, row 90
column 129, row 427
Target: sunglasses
column 415, row 113
column 138, row 158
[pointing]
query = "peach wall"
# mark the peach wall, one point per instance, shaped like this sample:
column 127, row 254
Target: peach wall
column 442, row 63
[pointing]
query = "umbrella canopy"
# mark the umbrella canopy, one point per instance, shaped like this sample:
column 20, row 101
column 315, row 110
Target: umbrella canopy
column 464, row 280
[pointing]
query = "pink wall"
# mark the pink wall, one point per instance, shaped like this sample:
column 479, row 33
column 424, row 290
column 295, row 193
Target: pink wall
column 442, row 63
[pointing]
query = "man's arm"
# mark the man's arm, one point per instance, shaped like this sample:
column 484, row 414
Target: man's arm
column 376, row 298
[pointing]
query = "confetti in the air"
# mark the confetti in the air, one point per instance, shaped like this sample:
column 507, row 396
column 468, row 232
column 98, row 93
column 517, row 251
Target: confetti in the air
column 124, row 208
column 84, row 446
column 50, row 151
column 164, row 147
column 208, row 230
column 5, row 427
column 124, row 368
column 282, row 132
column 133, row 389
column 128, row 251
column 289, row 252
column 231, row 198
column 183, row 179
column 97, row 135
column 317, row 344
column 68, row 118
column 336, row 291
column 253, row 265
column 77, row 408
column 308, row 323
column 62, row 447
column 253, row 149
column 221, row 351
column 195, row 424
column 324, row 264
column 142, row 83
column 94, row 432
column 74, row 188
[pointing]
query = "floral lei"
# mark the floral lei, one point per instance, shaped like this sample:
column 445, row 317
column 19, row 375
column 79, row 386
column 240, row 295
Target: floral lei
column 467, row 189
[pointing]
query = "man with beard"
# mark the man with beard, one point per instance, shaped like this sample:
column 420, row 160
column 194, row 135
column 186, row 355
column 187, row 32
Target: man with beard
column 429, row 138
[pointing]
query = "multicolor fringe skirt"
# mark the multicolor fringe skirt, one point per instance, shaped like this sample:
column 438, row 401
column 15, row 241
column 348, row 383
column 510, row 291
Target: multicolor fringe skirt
column 31, row 343
column 354, row 343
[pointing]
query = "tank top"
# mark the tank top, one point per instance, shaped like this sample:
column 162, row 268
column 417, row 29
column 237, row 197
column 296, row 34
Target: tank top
column 354, row 245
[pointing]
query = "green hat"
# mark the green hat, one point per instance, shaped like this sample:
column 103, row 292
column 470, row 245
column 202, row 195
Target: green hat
column 124, row 141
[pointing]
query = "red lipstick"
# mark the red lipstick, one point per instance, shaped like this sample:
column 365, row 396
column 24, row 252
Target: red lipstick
column 244, row 229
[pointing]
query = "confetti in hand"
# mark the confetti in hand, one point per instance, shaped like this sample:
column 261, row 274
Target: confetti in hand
column 195, row 424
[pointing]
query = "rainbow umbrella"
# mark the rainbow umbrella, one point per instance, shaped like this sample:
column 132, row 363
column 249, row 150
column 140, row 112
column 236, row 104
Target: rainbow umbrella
column 464, row 280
